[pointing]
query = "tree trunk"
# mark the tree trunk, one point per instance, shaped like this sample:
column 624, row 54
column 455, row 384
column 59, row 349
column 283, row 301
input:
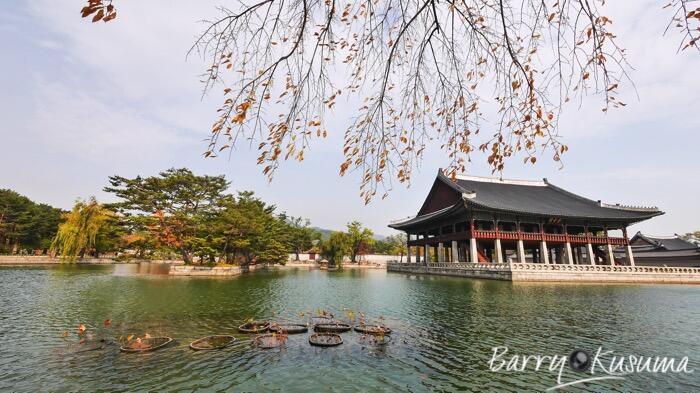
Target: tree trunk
column 296, row 252
column 186, row 257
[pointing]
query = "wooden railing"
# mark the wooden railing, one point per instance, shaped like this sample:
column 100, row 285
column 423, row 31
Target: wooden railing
column 531, row 236
column 508, row 235
column 578, row 238
column 525, row 236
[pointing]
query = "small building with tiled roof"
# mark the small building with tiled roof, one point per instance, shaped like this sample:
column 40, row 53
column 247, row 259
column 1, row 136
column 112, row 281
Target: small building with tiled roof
column 479, row 219
column 650, row 250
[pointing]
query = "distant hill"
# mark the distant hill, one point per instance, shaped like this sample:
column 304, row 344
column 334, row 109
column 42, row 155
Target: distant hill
column 326, row 233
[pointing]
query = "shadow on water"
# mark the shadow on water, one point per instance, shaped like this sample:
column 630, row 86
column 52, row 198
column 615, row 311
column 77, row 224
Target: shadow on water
column 445, row 329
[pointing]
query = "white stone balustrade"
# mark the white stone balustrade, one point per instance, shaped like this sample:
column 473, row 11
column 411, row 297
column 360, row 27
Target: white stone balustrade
column 556, row 272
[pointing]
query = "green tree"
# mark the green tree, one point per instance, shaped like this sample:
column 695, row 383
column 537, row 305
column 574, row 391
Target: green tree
column 81, row 229
column 177, row 201
column 25, row 224
column 397, row 245
column 392, row 245
column 359, row 238
column 302, row 235
column 336, row 248
column 251, row 232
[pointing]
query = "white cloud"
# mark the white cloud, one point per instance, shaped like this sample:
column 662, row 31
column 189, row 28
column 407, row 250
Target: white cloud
column 120, row 98
column 78, row 123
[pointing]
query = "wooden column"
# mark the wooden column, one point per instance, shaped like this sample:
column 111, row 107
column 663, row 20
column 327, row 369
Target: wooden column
column 455, row 252
column 544, row 252
column 521, row 251
column 498, row 251
column 579, row 255
column 569, row 254
column 520, row 245
column 591, row 255
column 473, row 256
column 608, row 248
column 611, row 255
column 630, row 255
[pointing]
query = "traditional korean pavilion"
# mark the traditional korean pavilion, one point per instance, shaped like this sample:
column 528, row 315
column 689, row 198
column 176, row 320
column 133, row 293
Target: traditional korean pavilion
column 488, row 220
column 650, row 250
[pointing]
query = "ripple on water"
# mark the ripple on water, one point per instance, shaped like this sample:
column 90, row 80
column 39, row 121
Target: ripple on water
column 444, row 330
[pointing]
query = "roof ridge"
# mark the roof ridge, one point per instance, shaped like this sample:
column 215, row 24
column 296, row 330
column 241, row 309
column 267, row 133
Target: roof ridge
column 663, row 237
column 628, row 207
column 484, row 179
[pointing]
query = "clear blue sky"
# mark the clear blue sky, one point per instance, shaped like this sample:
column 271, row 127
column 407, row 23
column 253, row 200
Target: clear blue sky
column 80, row 102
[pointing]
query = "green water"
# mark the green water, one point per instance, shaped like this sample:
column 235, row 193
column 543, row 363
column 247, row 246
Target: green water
column 444, row 330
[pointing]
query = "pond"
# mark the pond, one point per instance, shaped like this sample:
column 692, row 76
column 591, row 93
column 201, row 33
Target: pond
column 444, row 330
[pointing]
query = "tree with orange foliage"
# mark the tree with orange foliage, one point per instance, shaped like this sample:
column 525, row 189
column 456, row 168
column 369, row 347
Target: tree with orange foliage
column 424, row 72
column 176, row 203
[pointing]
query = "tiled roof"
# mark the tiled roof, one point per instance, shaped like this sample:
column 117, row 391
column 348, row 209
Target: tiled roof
column 542, row 198
column 670, row 243
column 529, row 197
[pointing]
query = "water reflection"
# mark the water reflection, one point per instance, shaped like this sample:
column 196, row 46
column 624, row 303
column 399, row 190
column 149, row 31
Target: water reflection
column 130, row 269
column 444, row 329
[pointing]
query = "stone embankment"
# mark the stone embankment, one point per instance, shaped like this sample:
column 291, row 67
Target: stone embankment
column 32, row 260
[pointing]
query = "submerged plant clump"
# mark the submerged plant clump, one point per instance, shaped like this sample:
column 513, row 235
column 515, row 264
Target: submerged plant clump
column 254, row 327
column 332, row 327
column 289, row 328
column 326, row 330
column 270, row 340
column 325, row 339
column 212, row 342
column 87, row 340
column 146, row 344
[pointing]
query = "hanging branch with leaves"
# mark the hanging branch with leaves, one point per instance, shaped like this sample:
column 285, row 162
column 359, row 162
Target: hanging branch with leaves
column 489, row 76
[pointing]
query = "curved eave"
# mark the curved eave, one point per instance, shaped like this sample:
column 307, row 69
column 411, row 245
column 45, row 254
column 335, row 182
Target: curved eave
column 425, row 218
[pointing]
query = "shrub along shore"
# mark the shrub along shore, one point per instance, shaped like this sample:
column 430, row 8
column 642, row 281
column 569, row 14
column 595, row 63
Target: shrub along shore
column 175, row 215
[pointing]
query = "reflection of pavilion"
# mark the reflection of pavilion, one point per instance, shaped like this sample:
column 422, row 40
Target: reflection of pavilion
column 486, row 220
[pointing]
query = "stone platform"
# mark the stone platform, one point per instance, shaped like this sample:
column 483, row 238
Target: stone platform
column 538, row 272
column 212, row 271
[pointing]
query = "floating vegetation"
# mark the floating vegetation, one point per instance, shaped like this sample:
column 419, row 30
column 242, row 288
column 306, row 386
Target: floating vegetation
column 87, row 340
column 87, row 345
column 212, row 342
column 322, row 315
column 325, row 339
column 254, row 327
column 375, row 339
column 289, row 328
column 326, row 329
column 332, row 327
column 145, row 344
column 373, row 329
column 270, row 340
